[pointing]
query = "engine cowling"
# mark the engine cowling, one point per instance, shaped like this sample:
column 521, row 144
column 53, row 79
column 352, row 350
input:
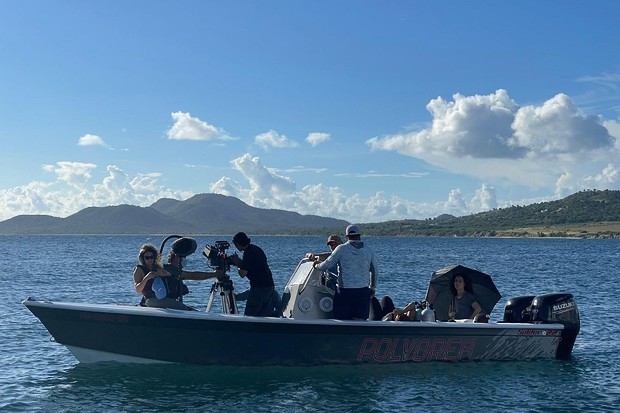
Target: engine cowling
column 558, row 308
column 517, row 309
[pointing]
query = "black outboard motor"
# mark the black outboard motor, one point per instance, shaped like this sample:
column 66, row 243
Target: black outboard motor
column 517, row 309
column 558, row 308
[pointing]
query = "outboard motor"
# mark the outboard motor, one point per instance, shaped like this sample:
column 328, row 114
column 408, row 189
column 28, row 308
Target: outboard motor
column 558, row 308
column 517, row 309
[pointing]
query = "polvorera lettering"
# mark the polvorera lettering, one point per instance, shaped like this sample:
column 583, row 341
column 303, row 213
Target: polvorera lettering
column 389, row 350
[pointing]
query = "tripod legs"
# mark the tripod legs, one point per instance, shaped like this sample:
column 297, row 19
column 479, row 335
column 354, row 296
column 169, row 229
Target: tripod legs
column 229, row 304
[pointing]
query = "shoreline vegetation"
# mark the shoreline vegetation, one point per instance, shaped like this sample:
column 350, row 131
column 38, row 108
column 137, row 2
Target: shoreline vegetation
column 609, row 230
column 589, row 231
column 603, row 230
column 585, row 214
column 546, row 232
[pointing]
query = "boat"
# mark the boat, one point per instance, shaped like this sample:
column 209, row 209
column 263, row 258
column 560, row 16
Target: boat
column 533, row 327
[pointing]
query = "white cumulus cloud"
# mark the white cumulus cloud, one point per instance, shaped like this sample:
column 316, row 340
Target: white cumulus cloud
column 264, row 188
column 492, row 138
column 557, row 128
column 75, row 174
column 484, row 199
column 317, row 138
column 72, row 191
column 91, row 140
column 273, row 139
column 186, row 127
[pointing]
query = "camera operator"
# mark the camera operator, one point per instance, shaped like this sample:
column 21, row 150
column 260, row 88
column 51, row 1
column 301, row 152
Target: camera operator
column 263, row 298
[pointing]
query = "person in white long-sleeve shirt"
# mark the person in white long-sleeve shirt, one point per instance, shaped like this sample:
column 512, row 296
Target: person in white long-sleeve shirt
column 357, row 280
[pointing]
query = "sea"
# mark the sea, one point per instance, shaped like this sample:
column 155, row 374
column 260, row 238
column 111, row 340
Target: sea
column 39, row 375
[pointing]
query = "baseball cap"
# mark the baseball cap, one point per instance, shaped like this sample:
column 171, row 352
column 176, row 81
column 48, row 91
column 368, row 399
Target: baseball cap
column 353, row 230
column 334, row 238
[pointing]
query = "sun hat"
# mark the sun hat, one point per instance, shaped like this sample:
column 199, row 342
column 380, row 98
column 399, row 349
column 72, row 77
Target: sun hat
column 353, row 230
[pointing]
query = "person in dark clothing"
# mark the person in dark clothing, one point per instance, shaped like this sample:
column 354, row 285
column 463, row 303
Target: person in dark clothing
column 464, row 304
column 262, row 299
column 379, row 309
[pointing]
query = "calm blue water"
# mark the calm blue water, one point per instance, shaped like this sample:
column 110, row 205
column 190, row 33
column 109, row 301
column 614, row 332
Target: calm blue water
column 39, row 375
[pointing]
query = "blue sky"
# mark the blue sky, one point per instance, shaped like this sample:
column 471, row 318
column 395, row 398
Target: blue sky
column 362, row 110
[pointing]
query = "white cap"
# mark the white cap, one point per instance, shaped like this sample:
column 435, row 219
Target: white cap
column 353, row 230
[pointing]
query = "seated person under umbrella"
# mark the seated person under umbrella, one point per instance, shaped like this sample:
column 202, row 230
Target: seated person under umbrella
column 464, row 304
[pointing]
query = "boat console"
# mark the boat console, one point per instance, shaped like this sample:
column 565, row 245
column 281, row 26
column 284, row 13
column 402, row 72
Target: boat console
column 309, row 293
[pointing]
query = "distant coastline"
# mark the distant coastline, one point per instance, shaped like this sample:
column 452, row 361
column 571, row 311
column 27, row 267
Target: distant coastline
column 586, row 214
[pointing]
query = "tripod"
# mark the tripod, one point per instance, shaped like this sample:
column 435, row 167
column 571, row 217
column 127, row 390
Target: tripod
column 224, row 286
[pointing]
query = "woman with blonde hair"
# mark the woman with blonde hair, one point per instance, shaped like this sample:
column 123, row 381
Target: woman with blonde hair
column 163, row 287
column 145, row 275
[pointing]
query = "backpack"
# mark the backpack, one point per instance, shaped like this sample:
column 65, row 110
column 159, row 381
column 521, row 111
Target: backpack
column 175, row 287
column 174, row 284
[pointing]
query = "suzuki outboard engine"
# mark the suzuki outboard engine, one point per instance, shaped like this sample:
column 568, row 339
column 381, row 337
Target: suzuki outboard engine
column 558, row 308
column 517, row 309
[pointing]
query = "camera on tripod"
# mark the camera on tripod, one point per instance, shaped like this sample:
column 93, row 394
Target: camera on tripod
column 217, row 256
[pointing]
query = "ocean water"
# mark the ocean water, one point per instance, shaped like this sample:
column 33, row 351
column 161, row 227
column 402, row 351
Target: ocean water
column 38, row 375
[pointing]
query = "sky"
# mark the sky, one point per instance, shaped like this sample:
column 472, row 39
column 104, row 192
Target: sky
column 367, row 111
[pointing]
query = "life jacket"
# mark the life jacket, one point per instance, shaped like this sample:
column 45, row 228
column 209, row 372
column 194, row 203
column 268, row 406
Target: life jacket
column 174, row 284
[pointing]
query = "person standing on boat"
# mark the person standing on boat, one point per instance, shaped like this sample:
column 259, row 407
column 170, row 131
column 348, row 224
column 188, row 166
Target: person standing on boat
column 357, row 279
column 464, row 304
column 262, row 298
column 332, row 242
column 331, row 274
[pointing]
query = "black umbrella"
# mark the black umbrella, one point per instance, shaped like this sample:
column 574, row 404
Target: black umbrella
column 439, row 293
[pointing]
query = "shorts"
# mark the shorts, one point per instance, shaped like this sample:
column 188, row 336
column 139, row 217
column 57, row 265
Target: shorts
column 352, row 303
column 261, row 302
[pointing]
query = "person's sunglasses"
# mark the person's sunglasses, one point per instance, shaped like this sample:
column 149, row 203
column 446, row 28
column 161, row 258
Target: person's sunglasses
column 149, row 257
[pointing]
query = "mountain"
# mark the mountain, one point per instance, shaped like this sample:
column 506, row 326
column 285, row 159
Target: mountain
column 200, row 214
column 216, row 214
column 35, row 224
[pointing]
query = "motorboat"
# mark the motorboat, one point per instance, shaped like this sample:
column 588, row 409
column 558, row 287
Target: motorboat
column 304, row 332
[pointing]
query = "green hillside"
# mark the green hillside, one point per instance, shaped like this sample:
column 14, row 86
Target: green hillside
column 590, row 213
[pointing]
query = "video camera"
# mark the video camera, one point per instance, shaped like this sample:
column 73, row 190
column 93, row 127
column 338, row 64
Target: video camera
column 217, row 256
